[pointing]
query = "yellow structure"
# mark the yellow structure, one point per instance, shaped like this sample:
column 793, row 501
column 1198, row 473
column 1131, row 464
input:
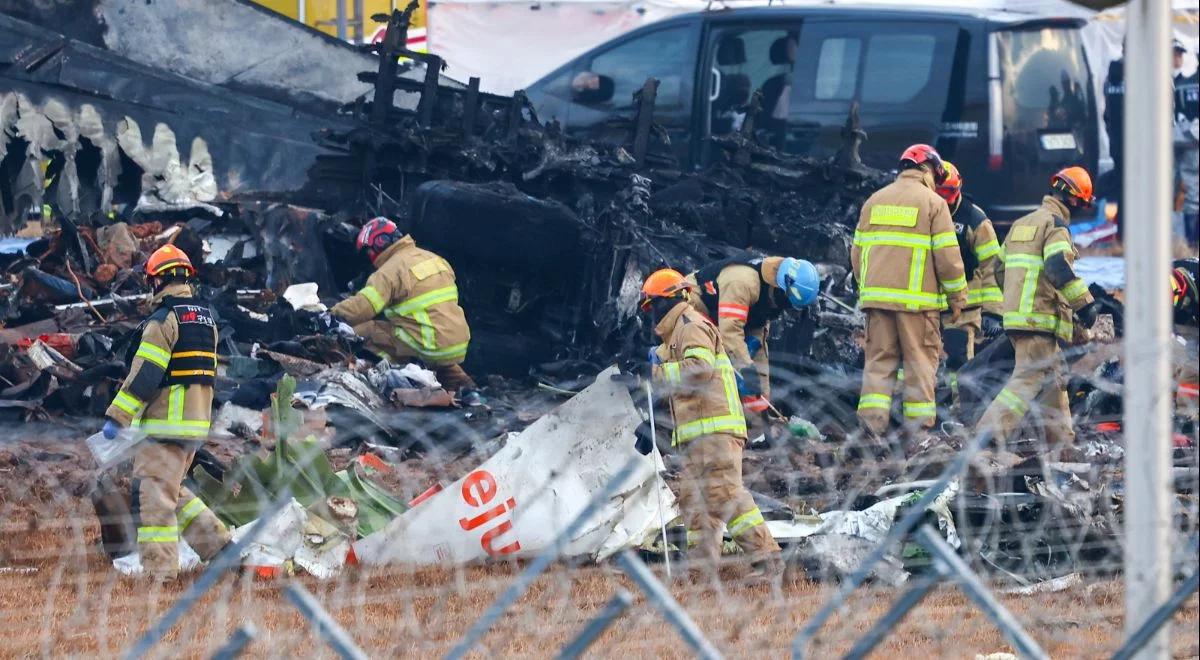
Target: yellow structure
column 323, row 15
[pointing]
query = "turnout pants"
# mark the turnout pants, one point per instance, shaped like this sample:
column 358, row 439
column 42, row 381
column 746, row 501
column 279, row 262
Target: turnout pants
column 713, row 497
column 380, row 338
column 1037, row 377
column 166, row 510
column 913, row 339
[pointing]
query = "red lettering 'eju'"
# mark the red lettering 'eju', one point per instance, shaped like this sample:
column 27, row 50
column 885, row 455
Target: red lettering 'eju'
column 478, row 489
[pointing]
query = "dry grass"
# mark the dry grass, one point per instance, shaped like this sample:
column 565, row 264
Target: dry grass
column 75, row 604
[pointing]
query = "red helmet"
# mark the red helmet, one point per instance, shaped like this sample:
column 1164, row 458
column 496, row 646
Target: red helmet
column 376, row 236
column 950, row 189
column 1076, row 183
column 921, row 154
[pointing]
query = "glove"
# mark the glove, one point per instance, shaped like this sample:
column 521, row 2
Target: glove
column 992, row 325
column 1088, row 313
column 652, row 356
column 747, row 381
column 111, row 429
column 955, row 312
column 643, row 439
column 753, row 344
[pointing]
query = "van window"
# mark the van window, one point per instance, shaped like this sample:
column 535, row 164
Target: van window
column 666, row 55
column 837, row 69
column 898, row 67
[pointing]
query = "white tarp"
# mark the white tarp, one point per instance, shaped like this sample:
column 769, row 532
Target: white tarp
column 519, row 500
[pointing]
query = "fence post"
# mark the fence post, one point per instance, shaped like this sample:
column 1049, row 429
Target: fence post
column 323, row 624
column 236, row 644
column 596, row 627
column 662, row 599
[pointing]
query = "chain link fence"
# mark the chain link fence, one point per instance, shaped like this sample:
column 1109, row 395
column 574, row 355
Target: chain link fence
column 942, row 542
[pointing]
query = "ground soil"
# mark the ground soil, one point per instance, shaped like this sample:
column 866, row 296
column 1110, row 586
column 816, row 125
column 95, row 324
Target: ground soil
column 59, row 596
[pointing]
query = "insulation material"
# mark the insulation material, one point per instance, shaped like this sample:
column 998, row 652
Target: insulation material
column 168, row 183
column 517, row 502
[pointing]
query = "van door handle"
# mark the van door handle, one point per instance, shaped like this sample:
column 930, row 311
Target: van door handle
column 716, row 87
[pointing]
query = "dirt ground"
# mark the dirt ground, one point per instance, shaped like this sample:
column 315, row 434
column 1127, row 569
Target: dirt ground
column 59, row 596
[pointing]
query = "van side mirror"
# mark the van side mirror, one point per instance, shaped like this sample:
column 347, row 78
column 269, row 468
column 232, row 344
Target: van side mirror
column 592, row 88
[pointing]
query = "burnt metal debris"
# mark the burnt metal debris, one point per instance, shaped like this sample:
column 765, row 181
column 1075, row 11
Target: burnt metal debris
column 550, row 237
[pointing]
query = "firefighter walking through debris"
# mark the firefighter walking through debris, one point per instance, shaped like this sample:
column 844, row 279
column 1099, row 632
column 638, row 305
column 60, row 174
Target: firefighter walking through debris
column 415, row 293
column 1040, row 292
column 168, row 396
column 692, row 366
column 908, row 267
column 744, row 295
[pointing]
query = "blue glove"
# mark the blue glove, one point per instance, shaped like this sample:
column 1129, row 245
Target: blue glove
column 111, row 429
column 652, row 356
column 753, row 344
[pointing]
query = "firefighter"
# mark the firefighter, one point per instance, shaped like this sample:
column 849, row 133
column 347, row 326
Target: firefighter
column 1040, row 292
column 908, row 268
column 409, row 307
column 168, row 396
column 979, row 249
column 692, row 367
column 744, row 295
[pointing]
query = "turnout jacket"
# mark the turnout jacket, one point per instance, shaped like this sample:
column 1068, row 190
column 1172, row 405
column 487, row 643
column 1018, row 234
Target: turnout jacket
column 698, row 375
column 168, row 393
column 905, row 255
column 1038, row 274
column 978, row 235
column 736, row 292
column 415, row 291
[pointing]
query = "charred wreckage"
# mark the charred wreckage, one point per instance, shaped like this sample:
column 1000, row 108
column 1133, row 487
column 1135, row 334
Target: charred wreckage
column 550, row 237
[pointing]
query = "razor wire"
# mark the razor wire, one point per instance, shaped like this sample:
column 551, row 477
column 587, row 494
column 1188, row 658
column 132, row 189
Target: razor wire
column 1037, row 526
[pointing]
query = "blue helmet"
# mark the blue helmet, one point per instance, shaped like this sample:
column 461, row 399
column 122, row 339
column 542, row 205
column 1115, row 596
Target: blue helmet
column 800, row 280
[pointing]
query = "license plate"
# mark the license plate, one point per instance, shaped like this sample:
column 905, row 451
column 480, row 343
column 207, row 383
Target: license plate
column 1058, row 141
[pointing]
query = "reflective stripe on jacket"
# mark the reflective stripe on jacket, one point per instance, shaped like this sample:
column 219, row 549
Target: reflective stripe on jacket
column 982, row 290
column 905, row 255
column 698, row 376
column 415, row 290
column 146, row 401
column 1031, row 301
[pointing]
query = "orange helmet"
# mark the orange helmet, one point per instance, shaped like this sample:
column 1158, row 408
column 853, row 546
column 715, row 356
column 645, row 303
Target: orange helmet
column 923, row 154
column 950, row 189
column 166, row 259
column 1075, row 182
column 665, row 283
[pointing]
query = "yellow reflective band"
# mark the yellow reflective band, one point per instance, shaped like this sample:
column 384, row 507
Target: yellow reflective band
column 451, row 352
column 191, row 354
column 153, row 354
column 128, row 403
column 175, row 403
column 987, row 250
column 1012, row 401
column 919, row 409
column 374, row 297
column 895, row 216
column 733, row 400
column 955, row 285
column 945, row 239
column 876, row 401
column 1074, row 290
column 188, row 513
column 1030, row 261
column 916, row 270
column 195, row 372
column 892, row 238
column 1054, row 248
column 671, row 372
column 1065, row 330
column 985, row 295
column 169, row 534
column 708, row 426
column 425, row 301
column 746, row 521
column 702, row 354
column 167, row 428
column 914, row 299
column 866, row 259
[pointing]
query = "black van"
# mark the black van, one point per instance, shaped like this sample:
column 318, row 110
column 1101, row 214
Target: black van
column 1006, row 96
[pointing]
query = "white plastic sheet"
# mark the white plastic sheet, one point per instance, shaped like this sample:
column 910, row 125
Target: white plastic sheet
column 519, row 500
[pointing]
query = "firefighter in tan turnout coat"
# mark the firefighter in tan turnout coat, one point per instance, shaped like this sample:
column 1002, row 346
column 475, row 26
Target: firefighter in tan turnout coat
column 409, row 307
column 908, row 267
column 168, row 396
